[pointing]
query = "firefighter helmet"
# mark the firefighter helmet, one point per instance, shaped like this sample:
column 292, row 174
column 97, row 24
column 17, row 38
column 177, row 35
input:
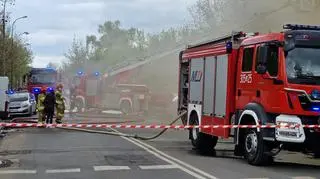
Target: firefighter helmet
column 59, row 86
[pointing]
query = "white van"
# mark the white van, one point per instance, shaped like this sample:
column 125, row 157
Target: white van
column 4, row 101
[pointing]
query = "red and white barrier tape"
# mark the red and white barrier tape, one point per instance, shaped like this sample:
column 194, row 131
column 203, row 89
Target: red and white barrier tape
column 152, row 126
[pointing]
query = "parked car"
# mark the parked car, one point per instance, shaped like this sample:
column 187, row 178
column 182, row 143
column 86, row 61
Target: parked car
column 22, row 103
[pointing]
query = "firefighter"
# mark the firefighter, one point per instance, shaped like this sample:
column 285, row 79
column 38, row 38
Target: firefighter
column 40, row 106
column 49, row 102
column 60, row 105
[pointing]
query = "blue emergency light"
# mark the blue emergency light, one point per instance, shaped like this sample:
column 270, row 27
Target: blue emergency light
column 229, row 47
column 9, row 92
column 36, row 90
column 315, row 94
column 50, row 89
column 80, row 73
column 96, row 73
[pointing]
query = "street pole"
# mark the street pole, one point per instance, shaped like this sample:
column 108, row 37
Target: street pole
column 12, row 42
column 3, row 37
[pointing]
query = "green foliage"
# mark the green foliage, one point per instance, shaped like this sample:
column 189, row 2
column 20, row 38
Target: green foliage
column 209, row 18
column 15, row 56
column 116, row 44
column 18, row 58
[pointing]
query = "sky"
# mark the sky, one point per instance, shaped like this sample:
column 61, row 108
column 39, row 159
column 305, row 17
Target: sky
column 52, row 24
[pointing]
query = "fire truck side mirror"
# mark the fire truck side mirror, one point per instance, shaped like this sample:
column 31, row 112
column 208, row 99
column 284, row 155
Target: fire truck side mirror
column 262, row 59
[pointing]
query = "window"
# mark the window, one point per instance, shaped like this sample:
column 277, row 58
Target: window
column 247, row 59
column 272, row 63
column 257, row 57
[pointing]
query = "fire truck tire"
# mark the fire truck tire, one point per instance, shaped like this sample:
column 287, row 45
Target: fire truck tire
column 203, row 143
column 125, row 107
column 255, row 148
column 79, row 104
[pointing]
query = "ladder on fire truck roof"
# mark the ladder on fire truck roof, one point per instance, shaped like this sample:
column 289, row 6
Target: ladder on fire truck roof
column 132, row 64
column 128, row 66
column 220, row 39
column 235, row 35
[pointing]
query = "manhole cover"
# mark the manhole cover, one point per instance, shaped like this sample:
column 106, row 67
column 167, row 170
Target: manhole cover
column 129, row 160
column 5, row 163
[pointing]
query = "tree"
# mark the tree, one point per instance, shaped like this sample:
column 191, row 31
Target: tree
column 216, row 16
column 19, row 58
column 77, row 54
column 4, row 20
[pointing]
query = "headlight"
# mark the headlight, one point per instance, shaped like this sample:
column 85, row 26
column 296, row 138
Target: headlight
column 25, row 104
column 284, row 124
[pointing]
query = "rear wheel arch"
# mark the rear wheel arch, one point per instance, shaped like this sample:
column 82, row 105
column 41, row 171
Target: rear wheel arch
column 193, row 117
column 204, row 143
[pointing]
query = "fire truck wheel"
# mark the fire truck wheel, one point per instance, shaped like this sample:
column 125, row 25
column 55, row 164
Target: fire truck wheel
column 125, row 107
column 255, row 148
column 79, row 104
column 203, row 143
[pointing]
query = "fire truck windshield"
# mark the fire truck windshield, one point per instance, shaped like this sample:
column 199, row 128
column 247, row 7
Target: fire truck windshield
column 303, row 65
column 43, row 78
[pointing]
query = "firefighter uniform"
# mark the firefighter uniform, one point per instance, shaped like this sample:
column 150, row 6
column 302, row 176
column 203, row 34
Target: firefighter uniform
column 60, row 105
column 40, row 106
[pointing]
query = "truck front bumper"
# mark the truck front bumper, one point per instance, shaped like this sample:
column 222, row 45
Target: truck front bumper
column 295, row 139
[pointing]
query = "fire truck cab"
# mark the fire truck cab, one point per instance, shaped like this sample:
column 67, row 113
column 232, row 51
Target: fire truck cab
column 38, row 78
column 86, row 89
column 257, row 79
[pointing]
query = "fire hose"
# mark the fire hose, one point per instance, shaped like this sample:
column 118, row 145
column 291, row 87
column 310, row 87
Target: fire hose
column 116, row 133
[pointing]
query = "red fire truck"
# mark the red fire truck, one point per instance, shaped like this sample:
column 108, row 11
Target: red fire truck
column 40, row 77
column 110, row 91
column 256, row 79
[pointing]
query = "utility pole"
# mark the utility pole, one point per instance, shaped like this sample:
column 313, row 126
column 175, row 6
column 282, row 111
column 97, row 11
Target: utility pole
column 3, row 37
column 4, row 21
column 11, row 49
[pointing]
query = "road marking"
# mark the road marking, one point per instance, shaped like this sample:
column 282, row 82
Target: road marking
column 18, row 172
column 182, row 165
column 71, row 170
column 152, row 167
column 104, row 168
column 186, row 165
column 300, row 177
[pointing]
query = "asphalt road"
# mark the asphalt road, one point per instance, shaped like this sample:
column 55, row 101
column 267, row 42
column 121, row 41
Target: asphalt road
column 56, row 153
